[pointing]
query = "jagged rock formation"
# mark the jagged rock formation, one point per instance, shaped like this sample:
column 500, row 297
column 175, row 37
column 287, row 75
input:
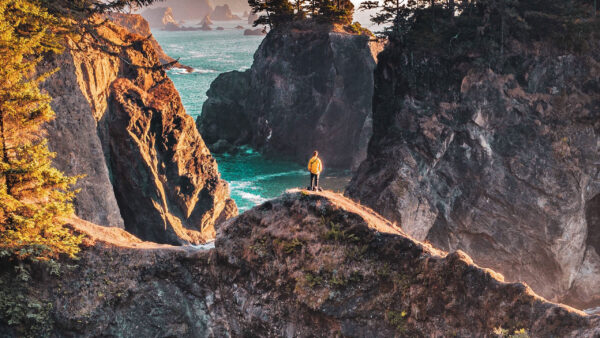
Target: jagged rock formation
column 186, row 9
column 494, row 154
column 303, row 265
column 223, row 13
column 159, row 17
column 135, row 23
column 121, row 123
column 310, row 87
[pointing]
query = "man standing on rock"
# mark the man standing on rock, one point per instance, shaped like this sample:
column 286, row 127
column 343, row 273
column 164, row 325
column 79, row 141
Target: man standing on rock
column 315, row 167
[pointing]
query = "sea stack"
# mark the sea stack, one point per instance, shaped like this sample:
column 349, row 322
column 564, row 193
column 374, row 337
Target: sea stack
column 310, row 87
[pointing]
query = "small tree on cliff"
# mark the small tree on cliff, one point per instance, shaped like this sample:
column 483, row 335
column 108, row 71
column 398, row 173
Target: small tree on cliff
column 335, row 11
column 276, row 12
column 33, row 194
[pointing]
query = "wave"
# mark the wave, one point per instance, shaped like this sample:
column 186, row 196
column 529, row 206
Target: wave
column 207, row 246
column 181, row 71
column 255, row 199
column 286, row 173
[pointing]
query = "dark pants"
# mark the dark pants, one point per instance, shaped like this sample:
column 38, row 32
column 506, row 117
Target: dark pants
column 314, row 181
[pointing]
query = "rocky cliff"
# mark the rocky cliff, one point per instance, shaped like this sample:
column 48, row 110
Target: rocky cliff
column 493, row 149
column 310, row 87
column 120, row 122
column 303, row 265
column 135, row 23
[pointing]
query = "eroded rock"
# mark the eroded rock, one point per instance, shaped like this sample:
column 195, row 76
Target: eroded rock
column 500, row 162
column 310, row 87
column 305, row 264
column 121, row 123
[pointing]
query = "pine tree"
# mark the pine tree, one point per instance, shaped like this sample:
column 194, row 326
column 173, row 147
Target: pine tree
column 276, row 12
column 33, row 195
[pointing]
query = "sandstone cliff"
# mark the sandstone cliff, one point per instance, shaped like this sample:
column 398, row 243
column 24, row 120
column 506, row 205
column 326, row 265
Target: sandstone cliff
column 310, row 87
column 135, row 23
column 494, row 150
column 120, row 122
column 303, row 265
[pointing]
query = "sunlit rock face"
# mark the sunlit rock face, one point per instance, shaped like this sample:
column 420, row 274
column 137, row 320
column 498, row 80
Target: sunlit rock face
column 500, row 161
column 310, row 87
column 120, row 122
column 303, row 265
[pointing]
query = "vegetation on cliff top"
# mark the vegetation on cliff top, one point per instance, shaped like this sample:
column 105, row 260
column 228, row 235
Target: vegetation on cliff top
column 278, row 12
column 33, row 194
column 443, row 23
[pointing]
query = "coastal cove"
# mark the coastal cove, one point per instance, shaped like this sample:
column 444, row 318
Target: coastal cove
column 252, row 178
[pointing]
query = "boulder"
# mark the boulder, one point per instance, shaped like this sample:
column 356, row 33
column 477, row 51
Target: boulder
column 303, row 265
column 257, row 31
column 310, row 87
column 500, row 161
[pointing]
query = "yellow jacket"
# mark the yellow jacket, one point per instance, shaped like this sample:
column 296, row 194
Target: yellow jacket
column 314, row 165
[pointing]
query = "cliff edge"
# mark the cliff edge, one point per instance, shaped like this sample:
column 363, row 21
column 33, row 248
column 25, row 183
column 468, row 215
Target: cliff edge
column 304, row 264
column 120, row 122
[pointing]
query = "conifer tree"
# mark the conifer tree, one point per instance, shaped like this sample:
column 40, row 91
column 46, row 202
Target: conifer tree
column 33, row 195
column 276, row 12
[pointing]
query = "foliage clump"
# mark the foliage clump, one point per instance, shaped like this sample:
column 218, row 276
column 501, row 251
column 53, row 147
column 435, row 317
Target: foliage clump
column 275, row 13
column 34, row 196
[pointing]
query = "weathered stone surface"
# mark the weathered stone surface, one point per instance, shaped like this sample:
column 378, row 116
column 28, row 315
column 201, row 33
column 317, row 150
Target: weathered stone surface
column 303, row 265
column 310, row 87
column 73, row 135
column 500, row 162
column 121, row 122
column 135, row 23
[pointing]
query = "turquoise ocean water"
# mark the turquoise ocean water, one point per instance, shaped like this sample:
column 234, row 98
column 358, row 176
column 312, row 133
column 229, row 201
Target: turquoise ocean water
column 252, row 178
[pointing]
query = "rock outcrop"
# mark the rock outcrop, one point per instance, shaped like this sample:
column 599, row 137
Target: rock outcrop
column 303, row 265
column 494, row 152
column 256, row 31
column 185, row 9
column 237, row 6
column 135, row 23
column 159, row 17
column 120, row 122
column 310, row 87
column 223, row 13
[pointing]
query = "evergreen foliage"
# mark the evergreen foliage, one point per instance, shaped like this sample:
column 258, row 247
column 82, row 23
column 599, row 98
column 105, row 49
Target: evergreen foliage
column 278, row 12
column 33, row 195
column 523, row 19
